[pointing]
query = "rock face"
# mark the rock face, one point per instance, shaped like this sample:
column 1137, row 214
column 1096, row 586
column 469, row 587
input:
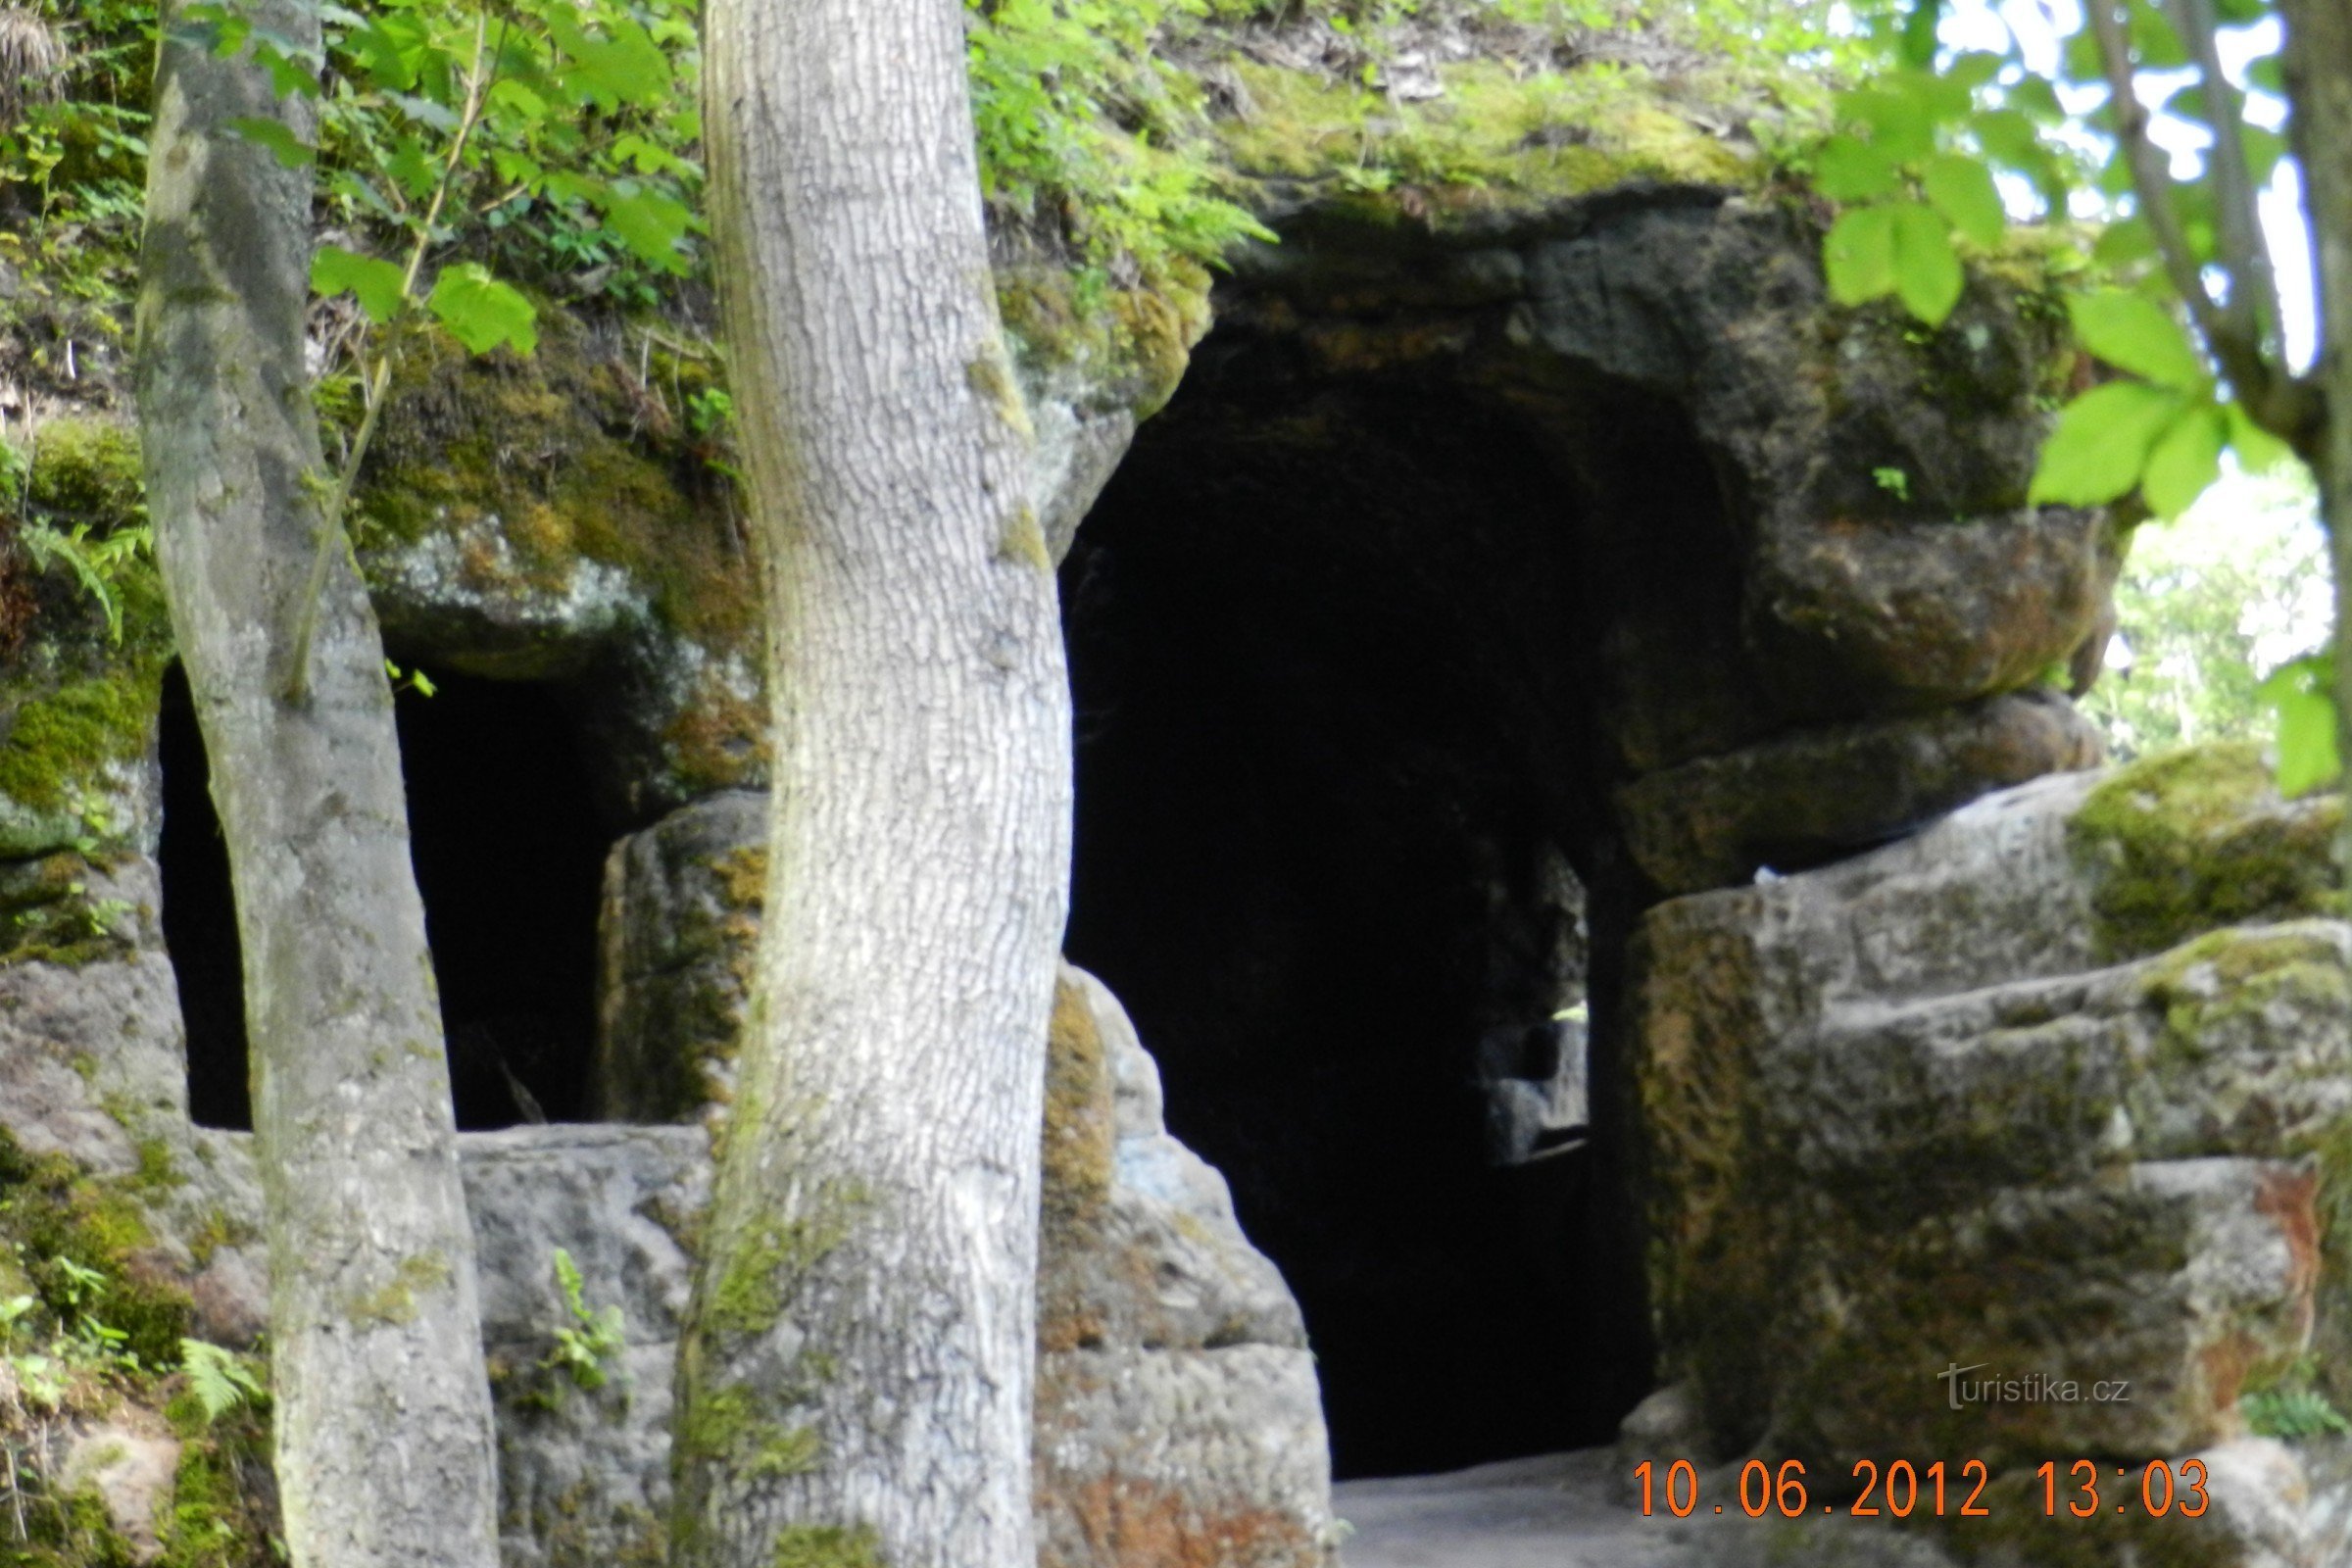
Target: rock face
column 1178, row 1419
column 584, row 1471
column 1793, row 575
column 679, row 935
column 2023, row 1138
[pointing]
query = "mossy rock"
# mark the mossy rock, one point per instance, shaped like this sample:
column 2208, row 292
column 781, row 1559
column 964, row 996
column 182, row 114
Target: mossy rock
column 79, row 696
column 87, row 469
column 2179, row 843
column 49, row 915
column 571, row 459
column 53, row 1211
column 1495, row 137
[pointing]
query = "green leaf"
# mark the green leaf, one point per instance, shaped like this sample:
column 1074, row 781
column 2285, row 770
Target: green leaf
column 2185, row 461
column 2153, row 39
column 2258, row 450
column 1979, row 68
column 2037, row 100
column 481, row 312
column 1919, row 33
column 377, row 283
column 1899, row 123
column 2304, row 693
column 1926, row 269
column 2100, row 446
column 2265, row 149
column 220, row 1378
column 1849, row 168
column 623, row 67
column 650, row 224
column 392, row 51
column 1963, row 191
column 2008, row 137
column 1860, row 256
column 277, row 137
column 2135, row 333
column 2122, row 242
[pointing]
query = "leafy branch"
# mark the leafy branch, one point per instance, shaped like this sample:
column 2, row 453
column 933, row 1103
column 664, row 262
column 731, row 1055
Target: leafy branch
column 422, row 116
column 2241, row 328
column 387, row 294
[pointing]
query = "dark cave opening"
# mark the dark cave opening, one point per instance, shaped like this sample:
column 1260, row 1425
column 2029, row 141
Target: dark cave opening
column 510, row 855
column 200, row 918
column 509, row 852
column 1336, row 705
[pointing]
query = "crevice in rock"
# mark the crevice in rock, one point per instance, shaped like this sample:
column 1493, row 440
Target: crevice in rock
column 1338, row 793
column 200, row 918
column 508, row 850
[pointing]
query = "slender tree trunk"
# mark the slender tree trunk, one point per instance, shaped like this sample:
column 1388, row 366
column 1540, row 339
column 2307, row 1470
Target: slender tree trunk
column 855, row 1376
column 2319, row 68
column 385, row 1443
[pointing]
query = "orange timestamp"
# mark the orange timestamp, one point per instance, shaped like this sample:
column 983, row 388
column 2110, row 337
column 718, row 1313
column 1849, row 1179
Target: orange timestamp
column 1901, row 1489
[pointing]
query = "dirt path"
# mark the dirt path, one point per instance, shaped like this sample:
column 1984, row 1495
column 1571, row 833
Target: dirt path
column 1566, row 1511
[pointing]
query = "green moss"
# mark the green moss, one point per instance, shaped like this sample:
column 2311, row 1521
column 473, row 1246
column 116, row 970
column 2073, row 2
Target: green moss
column 732, row 1425
column 49, row 915
column 990, row 376
column 1497, row 135
column 1023, row 542
column 1132, row 344
column 60, row 744
column 2244, row 972
column 86, row 469
column 787, row 1452
column 155, row 1165
column 1080, row 1127
column 763, row 1270
column 222, row 1512
column 54, row 1213
column 395, row 1301
column 574, row 460
column 2181, row 842
column 828, row 1546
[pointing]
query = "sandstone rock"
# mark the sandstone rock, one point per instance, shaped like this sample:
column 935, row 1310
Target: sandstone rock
column 584, row 1473
column 1178, row 1418
column 1914, row 1103
column 1928, row 610
column 1806, row 797
column 679, row 934
column 130, row 1471
column 93, row 1072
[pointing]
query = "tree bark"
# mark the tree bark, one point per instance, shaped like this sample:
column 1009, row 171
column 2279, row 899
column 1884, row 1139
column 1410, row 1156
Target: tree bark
column 384, row 1445
column 855, row 1379
column 2318, row 76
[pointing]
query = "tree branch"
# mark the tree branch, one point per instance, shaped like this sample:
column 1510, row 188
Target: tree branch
column 2253, row 304
column 380, row 380
column 2280, row 403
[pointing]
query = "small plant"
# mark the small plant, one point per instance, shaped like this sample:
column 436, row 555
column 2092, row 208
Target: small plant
column 710, row 413
column 97, row 562
column 221, row 1380
column 410, row 680
column 592, row 1341
column 1895, row 481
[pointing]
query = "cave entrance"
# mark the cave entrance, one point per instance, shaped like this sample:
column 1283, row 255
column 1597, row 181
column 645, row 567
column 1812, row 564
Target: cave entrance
column 1337, row 799
column 509, row 852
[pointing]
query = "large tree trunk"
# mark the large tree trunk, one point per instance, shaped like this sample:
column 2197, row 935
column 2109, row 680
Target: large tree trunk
column 2319, row 68
column 384, row 1445
column 855, row 1376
